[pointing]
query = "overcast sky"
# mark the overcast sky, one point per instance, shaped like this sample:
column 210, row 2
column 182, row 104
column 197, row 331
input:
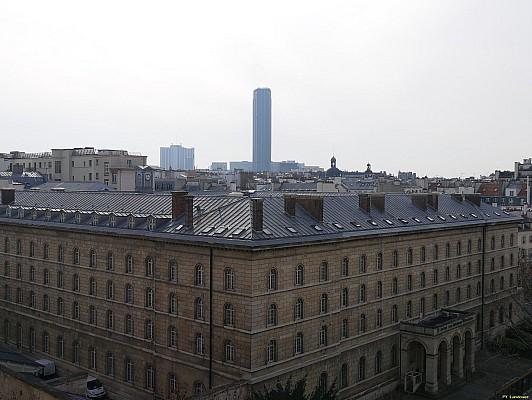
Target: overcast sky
column 435, row 87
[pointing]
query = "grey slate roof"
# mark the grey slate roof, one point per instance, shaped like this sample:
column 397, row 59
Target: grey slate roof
column 75, row 186
column 228, row 219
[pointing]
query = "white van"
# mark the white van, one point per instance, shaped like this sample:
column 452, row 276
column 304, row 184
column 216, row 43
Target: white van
column 46, row 368
column 95, row 389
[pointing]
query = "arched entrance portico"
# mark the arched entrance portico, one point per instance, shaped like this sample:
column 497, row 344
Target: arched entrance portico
column 437, row 348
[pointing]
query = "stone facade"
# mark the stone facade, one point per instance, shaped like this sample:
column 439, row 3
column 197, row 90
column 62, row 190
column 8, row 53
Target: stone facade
column 204, row 315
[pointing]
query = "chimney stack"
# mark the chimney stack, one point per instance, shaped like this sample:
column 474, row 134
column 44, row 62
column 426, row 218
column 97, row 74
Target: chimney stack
column 364, row 202
column 290, row 205
column 257, row 209
column 189, row 211
column 8, row 196
column 457, row 197
column 420, row 200
column 378, row 201
column 313, row 205
column 433, row 200
column 178, row 204
column 473, row 198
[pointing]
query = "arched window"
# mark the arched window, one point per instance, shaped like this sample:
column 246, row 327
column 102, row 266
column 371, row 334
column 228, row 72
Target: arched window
column 199, row 275
column 394, row 286
column 110, row 319
column 19, row 247
column 393, row 356
column 172, row 336
column 92, row 358
column 492, row 264
column 229, row 315
column 110, row 290
column 299, row 275
column 33, row 299
column 129, row 294
column 92, row 258
column 447, row 250
column 458, row 271
column 503, row 241
column 60, row 254
column 172, row 383
column 492, row 319
column 379, row 261
column 395, row 258
column 362, row 369
column 75, row 310
column 172, row 303
column 469, row 269
column 479, row 245
column 229, row 278
column 149, row 298
column 323, row 303
column 408, row 312
column 322, row 382
column 362, row 296
column 60, row 306
column 378, row 319
column 129, row 370
column 435, row 252
column 422, row 254
column 229, row 351
column 272, row 351
column 272, row 314
column 511, row 280
column 75, row 283
column 511, row 240
column 362, row 323
column 492, row 286
column 447, row 274
column 272, row 279
column 149, row 267
column 76, row 350
column 344, row 331
column 76, row 256
column 110, row 261
column 199, row 387
column 323, row 271
column 298, row 309
column 501, row 315
column 409, row 282
column 150, row 377
column 379, row 289
column 345, row 297
column 422, row 280
column 110, row 364
column 343, row 376
column 409, row 257
column 468, row 292
column 198, row 308
column 362, row 266
column 148, row 334
column 394, row 314
column 298, row 343
column 378, row 362
column 129, row 264
column 131, row 222
column 434, row 301
column 501, row 287
column 493, row 242
column 478, row 289
column 46, row 277
column 345, row 266
column 128, row 325
column 172, row 271
column 323, row 336
column 32, row 249
column 92, row 315
column 6, row 245
column 459, row 248
column 422, row 306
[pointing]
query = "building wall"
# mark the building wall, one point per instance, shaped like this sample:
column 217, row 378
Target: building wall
column 250, row 297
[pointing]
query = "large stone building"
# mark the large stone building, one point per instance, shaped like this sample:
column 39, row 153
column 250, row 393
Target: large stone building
column 154, row 292
column 80, row 165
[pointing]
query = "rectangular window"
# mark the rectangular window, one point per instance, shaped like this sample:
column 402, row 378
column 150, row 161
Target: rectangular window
column 106, row 168
column 57, row 167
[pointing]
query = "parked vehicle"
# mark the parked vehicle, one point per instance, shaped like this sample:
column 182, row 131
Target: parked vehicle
column 95, row 389
column 46, row 368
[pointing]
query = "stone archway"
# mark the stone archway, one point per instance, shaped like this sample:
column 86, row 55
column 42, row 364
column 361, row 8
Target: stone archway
column 469, row 339
column 444, row 362
column 417, row 357
column 457, row 365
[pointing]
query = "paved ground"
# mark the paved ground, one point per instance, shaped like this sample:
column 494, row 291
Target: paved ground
column 493, row 371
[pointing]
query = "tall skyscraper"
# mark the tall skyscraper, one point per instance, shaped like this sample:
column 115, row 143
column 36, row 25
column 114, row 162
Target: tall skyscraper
column 177, row 157
column 262, row 129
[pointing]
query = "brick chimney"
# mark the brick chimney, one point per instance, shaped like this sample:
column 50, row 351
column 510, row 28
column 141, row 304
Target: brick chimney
column 433, row 200
column 8, row 196
column 378, row 201
column 473, row 198
column 364, row 202
column 290, row 205
column 457, row 197
column 257, row 209
column 420, row 200
column 189, row 211
column 178, row 204
column 313, row 205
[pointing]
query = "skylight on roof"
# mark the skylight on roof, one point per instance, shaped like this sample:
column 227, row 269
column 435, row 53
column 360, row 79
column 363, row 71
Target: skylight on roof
column 291, row 229
column 403, row 220
column 267, row 231
column 430, row 218
column 238, row 231
column 207, row 229
column 442, row 217
column 452, row 216
column 178, row 227
column 318, row 228
column 356, row 224
column 496, row 213
column 416, row 219
column 220, row 230
column 474, row 215
column 372, row 222
column 463, row 215
column 506, row 212
column 339, row 226
column 388, row 222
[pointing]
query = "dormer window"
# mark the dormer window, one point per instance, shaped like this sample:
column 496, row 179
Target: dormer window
column 131, row 222
column 112, row 220
column 78, row 217
column 34, row 214
column 48, row 215
column 21, row 212
column 62, row 216
column 151, row 224
column 8, row 212
column 94, row 219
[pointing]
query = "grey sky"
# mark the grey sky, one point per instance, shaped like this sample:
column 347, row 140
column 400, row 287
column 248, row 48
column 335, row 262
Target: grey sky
column 435, row 87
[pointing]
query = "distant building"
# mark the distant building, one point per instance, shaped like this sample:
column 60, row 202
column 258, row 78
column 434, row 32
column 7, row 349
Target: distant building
column 78, row 164
column 218, row 166
column 246, row 166
column 177, row 157
column 524, row 169
column 406, row 176
column 333, row 171
column 262, row 130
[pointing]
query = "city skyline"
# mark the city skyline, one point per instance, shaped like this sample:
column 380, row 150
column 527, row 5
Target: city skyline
column 441, row 89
